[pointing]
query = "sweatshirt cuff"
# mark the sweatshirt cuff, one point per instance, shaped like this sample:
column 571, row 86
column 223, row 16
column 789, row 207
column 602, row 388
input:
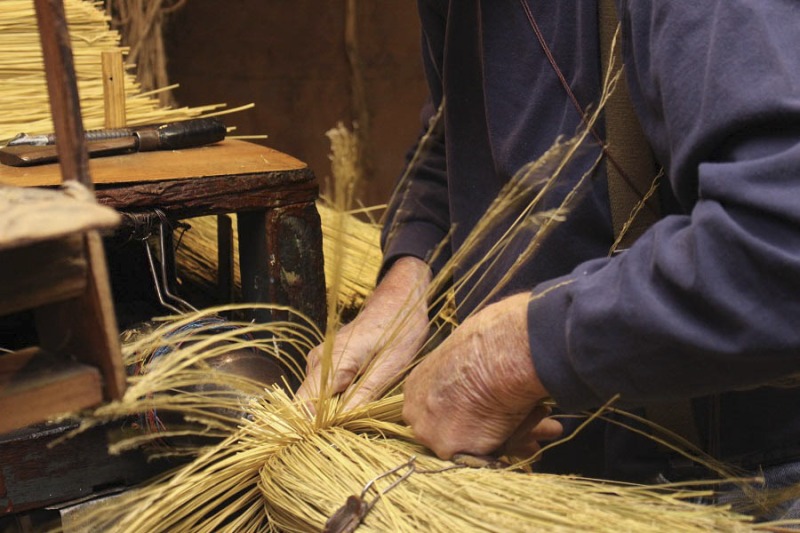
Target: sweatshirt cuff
column 548, row 334
column 420, row 240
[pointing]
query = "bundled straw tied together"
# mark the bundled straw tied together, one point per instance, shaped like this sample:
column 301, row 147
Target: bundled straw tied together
column 435, row 496
column 281, row 469
column 23, row 89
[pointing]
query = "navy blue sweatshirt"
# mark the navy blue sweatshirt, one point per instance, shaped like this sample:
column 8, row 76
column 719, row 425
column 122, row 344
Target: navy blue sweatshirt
column 707, row 302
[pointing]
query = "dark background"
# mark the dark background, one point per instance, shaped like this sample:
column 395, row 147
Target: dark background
column 289, row 58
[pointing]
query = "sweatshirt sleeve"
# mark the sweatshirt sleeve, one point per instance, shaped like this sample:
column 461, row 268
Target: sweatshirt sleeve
column 418, row 219
column 707, row 300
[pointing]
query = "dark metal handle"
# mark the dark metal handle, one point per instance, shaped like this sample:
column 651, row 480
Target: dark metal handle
column 189, row 133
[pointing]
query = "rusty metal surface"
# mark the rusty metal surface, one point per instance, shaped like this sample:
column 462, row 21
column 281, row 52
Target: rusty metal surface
column 281, row 262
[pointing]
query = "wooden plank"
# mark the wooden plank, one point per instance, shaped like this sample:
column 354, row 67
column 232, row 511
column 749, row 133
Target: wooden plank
column 62, row 87
column 29, row 215
column 113, row 88
column 86, row 327
column 41, row 273
column 35, row 386
column 227, row 158
column 209, row 196
column 34, row 473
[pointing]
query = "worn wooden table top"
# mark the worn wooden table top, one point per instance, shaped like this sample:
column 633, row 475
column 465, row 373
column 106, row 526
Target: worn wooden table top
column 229, row 176
column 227, row 158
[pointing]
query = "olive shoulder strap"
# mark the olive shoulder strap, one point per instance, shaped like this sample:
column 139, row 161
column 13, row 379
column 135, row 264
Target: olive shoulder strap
column 631, row 169
column 630, row 165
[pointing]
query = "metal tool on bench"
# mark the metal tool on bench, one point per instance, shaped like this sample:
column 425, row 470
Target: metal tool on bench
column 27, row 150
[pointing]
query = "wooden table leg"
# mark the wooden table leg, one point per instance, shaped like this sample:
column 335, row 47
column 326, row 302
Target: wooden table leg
column 225, row 266
column 280, row 257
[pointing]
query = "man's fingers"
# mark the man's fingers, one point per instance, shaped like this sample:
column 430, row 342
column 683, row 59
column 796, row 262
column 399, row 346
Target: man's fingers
column 536, row 427
column 377, row 378
column 309, row 388
column 340, row 377
column 364, row 391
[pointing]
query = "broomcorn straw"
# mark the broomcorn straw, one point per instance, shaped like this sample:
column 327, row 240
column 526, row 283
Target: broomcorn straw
column 23, row 90
column 280, row 468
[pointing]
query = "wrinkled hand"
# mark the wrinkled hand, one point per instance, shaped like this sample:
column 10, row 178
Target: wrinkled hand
column 391, row 328
column 477, row 392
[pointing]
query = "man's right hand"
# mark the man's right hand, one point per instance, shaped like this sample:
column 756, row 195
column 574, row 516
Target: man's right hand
column 391, row 328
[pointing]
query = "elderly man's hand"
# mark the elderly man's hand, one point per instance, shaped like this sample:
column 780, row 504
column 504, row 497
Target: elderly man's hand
column 390, row 329
column 478, row 391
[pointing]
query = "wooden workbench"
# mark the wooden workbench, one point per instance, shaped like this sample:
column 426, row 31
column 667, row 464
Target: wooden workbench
column 280, row 239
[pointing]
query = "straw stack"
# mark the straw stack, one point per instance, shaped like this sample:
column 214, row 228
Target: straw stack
column 24, row 105
column 281, row 469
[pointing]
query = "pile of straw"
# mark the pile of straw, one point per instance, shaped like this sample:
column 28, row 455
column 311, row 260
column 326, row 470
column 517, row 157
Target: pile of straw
column 24, row 105
column 284, row 470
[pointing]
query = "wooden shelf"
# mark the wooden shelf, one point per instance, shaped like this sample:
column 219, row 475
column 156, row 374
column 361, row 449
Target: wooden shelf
column 32, row 382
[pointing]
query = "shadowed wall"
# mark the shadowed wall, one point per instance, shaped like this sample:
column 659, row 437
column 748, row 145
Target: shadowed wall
column 289, row 58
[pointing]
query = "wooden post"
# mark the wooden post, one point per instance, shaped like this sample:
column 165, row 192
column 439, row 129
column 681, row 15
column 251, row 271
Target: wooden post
column 84, row 327
column 113, row 88
column 62, row 87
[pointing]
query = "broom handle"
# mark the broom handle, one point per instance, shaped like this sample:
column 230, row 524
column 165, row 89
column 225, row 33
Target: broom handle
column 62, row 88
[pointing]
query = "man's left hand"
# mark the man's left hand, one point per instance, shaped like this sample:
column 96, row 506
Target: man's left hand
column 478, row 390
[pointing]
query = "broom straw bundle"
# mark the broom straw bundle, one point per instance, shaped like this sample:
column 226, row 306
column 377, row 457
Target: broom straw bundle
column 438, row 497
column 280, row 471
column 24, row 104
column 282, row 468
